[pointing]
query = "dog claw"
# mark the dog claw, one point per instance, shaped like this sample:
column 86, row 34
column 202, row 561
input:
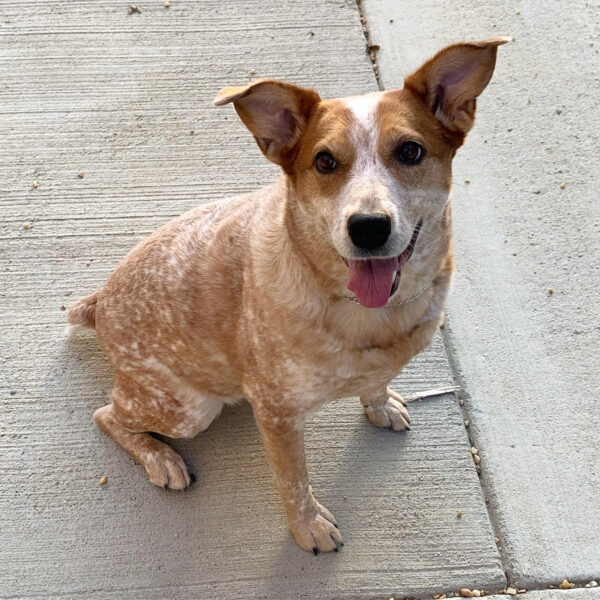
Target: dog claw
column 338, row 544
column 315, row 551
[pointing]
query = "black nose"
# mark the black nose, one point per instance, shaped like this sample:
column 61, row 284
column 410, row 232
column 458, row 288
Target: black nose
column 369, row 231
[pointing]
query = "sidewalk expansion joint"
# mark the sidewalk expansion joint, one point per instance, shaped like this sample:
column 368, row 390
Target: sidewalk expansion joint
column 371, row 48
column 509, row 591
column 462, row 395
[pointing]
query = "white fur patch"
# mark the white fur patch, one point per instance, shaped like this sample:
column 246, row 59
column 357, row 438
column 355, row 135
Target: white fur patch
column 72, row 329
column 363, row 107
column 371, row 188
column 198, row 409
column 365, row 131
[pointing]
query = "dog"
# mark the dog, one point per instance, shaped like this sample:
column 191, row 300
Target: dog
column 323, row 285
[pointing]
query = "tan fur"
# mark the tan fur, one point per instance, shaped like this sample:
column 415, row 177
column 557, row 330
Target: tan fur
column 247, row 297
column 83, row 312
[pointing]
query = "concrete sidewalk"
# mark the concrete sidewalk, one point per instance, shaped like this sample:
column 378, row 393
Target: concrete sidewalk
column 125, row 101
column 107, row 132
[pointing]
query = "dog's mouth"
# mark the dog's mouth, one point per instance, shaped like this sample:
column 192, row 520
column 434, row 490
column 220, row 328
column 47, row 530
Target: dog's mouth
column 375, row 280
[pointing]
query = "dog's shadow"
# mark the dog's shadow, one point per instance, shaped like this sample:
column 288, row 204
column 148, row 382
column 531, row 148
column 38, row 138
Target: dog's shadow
column 351, row 463
column 342, row 450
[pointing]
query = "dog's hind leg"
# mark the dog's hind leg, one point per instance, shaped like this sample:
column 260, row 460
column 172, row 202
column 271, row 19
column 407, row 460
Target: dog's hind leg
column 138, row 407
column 164, row 466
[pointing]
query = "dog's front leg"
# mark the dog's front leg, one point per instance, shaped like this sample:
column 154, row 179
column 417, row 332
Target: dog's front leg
column 386, row 408
column 383, row 406
column 313, row 526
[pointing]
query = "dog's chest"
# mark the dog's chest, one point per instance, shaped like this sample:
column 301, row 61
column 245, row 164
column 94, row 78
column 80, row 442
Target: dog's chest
column 315, row 365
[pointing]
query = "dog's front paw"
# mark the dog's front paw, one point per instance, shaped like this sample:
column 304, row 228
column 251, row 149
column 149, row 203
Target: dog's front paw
column 317, row 530
column 392, row 414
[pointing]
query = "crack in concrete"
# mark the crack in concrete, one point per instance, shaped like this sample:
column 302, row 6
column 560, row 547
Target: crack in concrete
column 371, row 49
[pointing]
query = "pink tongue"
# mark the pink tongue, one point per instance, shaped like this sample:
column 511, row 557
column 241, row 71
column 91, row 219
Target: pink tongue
column 371, row 280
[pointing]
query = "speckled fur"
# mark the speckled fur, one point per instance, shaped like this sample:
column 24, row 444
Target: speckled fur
column 247, row 297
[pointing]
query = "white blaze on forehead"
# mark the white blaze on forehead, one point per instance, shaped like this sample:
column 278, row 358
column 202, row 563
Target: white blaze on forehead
column 363, row 107
column 364, row 129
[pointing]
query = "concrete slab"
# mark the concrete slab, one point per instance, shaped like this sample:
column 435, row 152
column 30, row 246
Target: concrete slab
column 396, row 498
column 88, row 89
column 527, row 223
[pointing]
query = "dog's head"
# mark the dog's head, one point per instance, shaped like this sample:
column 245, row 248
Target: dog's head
column 371, row 174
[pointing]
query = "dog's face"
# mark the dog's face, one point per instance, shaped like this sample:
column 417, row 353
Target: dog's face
column 371, row 174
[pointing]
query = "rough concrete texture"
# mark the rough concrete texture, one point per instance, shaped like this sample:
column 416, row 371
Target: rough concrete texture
column 527, row 222
column 125, row 101
column 554, row 594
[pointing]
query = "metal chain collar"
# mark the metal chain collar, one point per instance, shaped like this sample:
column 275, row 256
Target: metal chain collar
column 398, row 303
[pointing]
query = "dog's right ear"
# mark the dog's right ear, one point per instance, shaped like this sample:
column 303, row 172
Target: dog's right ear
column 275, row 113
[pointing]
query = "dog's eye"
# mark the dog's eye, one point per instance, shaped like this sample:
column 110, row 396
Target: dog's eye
column 410, row 153
column 324, row 162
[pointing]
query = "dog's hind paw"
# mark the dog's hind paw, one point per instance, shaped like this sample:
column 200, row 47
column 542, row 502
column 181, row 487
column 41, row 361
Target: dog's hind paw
column 166, row 469
column 392, row 414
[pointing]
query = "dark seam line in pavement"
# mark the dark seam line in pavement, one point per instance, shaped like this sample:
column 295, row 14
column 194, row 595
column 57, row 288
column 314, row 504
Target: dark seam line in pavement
column 466, row 414
column 370, row 48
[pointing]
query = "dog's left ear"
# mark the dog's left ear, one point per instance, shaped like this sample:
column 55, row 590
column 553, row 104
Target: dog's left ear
column 275, row 113
column 451, row 81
